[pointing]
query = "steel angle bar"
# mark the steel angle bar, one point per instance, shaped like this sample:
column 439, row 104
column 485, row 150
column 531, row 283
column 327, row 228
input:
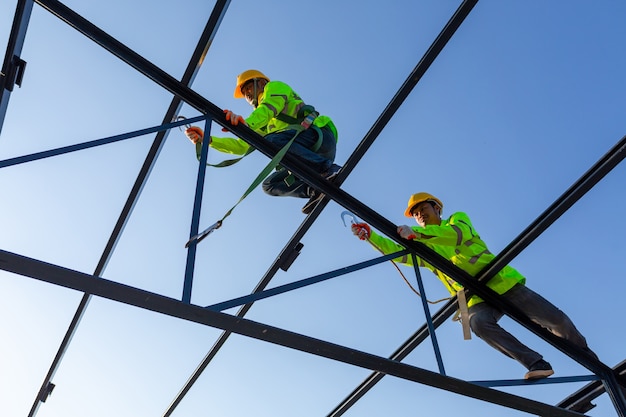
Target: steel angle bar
column 94, row 143
column 122, row 293
column 195, row 62
column 544, row 381
column 236, row 302
column 391, row 108
column 195, row 217
column 429, row 320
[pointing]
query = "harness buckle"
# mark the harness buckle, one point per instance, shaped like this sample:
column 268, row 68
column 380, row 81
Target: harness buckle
column 308, row 120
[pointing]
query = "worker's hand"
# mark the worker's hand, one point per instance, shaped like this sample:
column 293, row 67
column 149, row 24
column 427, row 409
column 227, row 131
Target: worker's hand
column 195, row 134
column 407, row 233
column 234, row 119
column 361, row 230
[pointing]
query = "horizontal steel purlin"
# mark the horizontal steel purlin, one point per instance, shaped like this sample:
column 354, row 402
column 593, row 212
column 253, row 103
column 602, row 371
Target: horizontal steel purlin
column 111, row 290
column 94, row 143
column 235, row 302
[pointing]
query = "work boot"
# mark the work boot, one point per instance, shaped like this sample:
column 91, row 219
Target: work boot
column 316, row 196
column 331, row 173
column 538, row 370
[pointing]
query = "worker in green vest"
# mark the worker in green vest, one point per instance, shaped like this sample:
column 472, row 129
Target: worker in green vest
column 278, row 114
column 456, row 240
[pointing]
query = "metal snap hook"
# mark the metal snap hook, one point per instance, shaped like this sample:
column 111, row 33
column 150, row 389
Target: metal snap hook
column 348, row 214
column 186, row 125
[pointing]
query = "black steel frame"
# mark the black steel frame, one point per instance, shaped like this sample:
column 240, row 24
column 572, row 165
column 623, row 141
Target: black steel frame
column 608, row 380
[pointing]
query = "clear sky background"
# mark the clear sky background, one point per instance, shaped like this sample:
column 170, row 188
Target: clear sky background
column 519, row 105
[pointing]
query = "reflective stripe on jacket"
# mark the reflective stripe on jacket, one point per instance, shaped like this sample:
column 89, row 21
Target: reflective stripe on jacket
column 455, row 239
column 277, row 98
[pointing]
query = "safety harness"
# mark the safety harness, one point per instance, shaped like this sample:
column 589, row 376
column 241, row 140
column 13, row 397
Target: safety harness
column 306, row 115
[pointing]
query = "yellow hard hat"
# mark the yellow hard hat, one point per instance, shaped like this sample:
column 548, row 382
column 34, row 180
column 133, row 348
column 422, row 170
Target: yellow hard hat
column 420, row 198
column 246, row 76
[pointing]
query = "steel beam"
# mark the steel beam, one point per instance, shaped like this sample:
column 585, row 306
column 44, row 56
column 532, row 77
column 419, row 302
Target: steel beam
column 190, row 263
column 92, row 144
column 122, row 293
column 13, row 66
column 281, row 289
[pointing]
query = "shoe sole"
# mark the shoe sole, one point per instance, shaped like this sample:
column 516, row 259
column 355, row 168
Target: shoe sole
column 538, row 374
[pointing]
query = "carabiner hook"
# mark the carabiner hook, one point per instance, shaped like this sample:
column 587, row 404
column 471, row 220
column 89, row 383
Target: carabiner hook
column 198, row 238
column 348, row 214
column 187, row 125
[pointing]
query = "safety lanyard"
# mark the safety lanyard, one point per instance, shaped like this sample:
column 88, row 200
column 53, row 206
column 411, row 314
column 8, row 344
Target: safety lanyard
column 262, row 175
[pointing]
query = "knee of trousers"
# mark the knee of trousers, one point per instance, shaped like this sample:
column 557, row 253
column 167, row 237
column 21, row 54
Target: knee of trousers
column 481, row 325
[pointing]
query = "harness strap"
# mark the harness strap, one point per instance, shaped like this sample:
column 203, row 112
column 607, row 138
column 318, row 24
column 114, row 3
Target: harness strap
column 225, row 163
column 266, row 171
column 464, row 314
column 306, row 116
column 302, row 113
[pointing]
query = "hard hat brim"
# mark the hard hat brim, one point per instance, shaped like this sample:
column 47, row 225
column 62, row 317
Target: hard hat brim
column 246, row 76
column 407, row 212
column 419, row 198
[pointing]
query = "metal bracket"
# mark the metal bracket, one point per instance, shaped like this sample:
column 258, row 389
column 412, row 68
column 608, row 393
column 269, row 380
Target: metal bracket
column 47, row 392
column 290, row 256
column 14, row 73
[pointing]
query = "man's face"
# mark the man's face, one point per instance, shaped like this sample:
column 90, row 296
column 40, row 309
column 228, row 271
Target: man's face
column 249, row 93
column 426, row 214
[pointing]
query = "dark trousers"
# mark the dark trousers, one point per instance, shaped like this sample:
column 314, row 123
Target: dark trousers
column 320, row 161
column 484, row 318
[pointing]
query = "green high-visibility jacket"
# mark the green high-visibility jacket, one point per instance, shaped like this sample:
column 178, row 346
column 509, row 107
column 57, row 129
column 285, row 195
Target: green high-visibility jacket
column 278, row 98
column 456, row 240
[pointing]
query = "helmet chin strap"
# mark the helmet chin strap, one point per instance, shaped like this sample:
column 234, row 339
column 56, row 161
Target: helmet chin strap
column 255, row 100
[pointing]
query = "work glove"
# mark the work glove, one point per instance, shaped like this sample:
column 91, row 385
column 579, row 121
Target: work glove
column 234, row 119
column 361, row 230
column 195, row 134
column 407, row 233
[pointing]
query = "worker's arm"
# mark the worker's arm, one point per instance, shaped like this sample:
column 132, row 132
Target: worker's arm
column 452, row 232
column 234, row 146
column 381, row 243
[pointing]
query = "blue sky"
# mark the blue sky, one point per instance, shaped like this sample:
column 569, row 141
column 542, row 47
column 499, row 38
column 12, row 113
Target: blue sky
column 521, row 102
